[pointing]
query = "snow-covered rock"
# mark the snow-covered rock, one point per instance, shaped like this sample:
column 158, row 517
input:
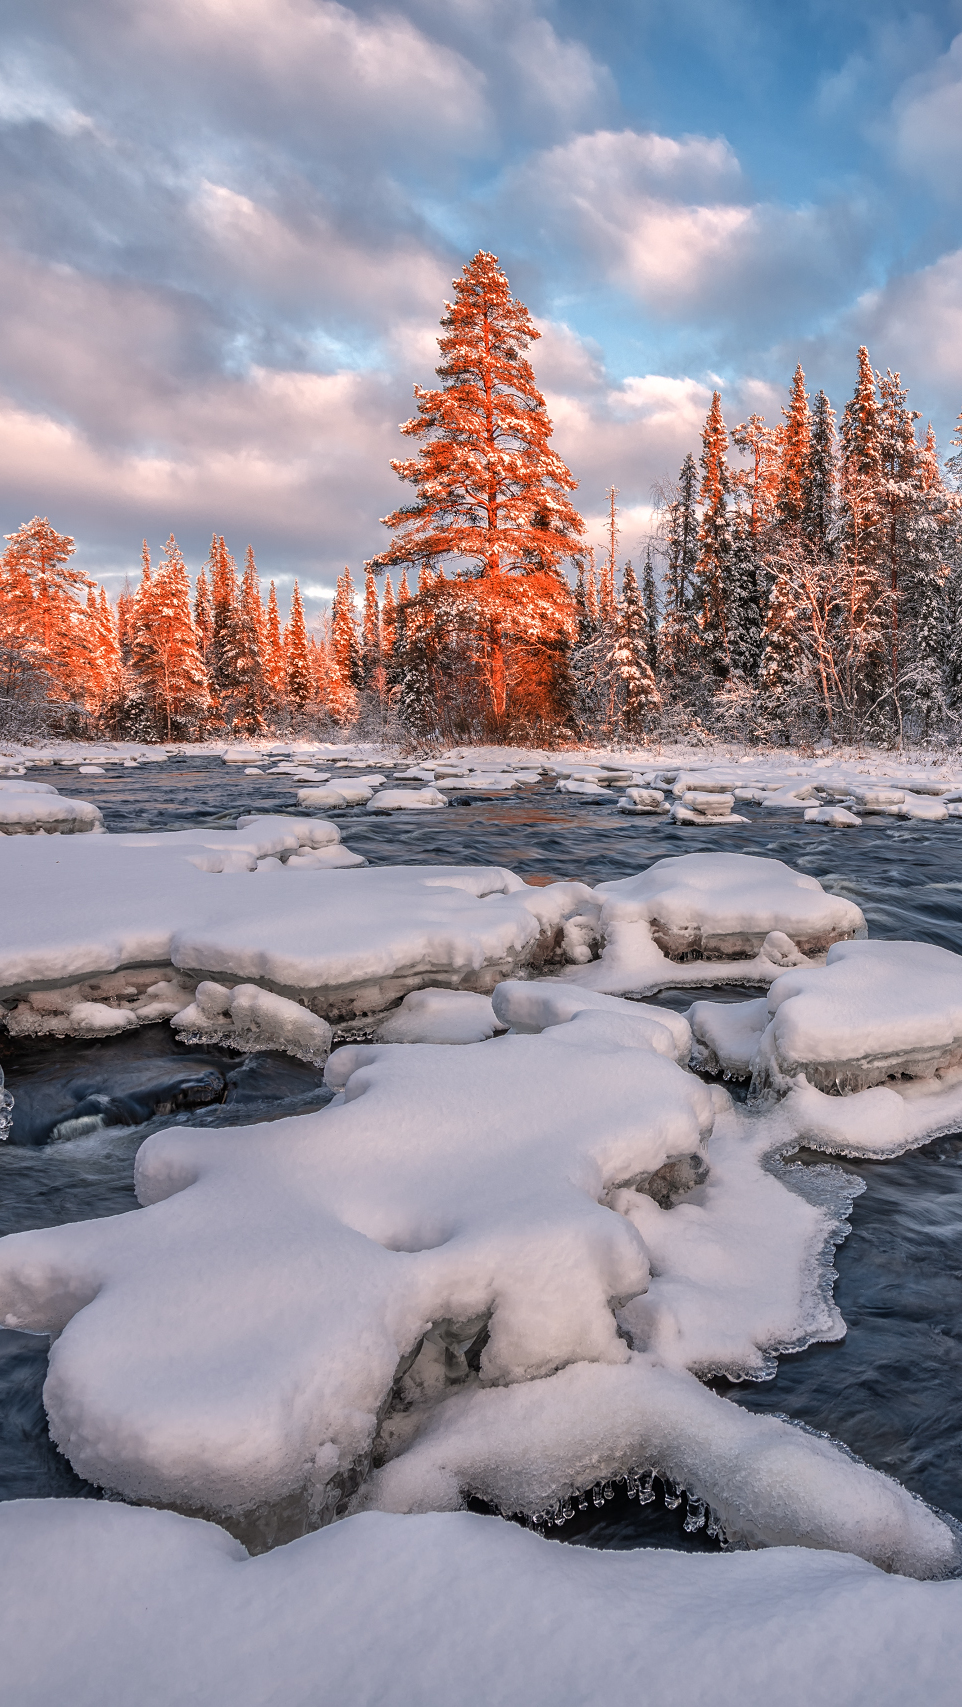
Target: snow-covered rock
column 642, row 800
column 231, row 1349
column 347, row 941
column 874, row 1011
column 836, row 817
column 406, row 800
column 29, row 807
column 155, row 1608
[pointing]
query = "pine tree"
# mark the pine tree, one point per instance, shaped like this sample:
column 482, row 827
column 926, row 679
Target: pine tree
column 111, row 659
column 714, row 540
column 606, row 592
column 679, row 634
column 125, row 616
column 745, row 598
column 300, row 680
column 490, row 493
column 650, row 596
column 40, row 605
column 862, row 539
column 228, row 646
column 759, row 481
column 371, row 639
column 251, row 688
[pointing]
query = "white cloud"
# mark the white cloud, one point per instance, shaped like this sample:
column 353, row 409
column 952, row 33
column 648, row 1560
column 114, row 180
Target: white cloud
column 928, row 123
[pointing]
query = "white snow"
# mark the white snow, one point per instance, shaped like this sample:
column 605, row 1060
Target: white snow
column 29, row 807
column 348, row 941
column 154, row 1608
column 232, row 1347
column 406, row 800
column 440, row 1016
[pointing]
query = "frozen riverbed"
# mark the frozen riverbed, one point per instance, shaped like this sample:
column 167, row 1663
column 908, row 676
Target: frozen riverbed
column 889, row 1390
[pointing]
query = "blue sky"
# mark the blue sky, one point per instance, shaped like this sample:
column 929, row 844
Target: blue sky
column 228, row 227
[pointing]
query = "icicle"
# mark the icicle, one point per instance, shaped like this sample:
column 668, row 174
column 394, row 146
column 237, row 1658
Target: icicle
column 646, row 1488
column 597, row 1495
column 608, row 1491
column 582, row 1502
column 672, row 1496
column 694, row 1516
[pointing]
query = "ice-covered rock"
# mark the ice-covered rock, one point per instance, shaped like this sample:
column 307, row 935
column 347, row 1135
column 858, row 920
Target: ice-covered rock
column 642, row 800
column 249, row 1018
column 836, row 817
column 155, row 1608
column 231, row 1349
column 726, row 1036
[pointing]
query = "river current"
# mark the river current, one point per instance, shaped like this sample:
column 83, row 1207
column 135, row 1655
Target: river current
column 891, row 1390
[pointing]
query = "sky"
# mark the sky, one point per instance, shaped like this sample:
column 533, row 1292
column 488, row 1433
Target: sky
column 228, row 228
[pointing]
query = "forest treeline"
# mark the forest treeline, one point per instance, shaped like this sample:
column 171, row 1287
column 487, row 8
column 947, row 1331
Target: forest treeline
column 803, row 578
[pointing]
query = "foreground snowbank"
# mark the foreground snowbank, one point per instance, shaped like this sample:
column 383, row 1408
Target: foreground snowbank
column 155, row 1608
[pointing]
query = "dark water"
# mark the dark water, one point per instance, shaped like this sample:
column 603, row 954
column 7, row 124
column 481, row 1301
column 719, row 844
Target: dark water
column 891, row 1390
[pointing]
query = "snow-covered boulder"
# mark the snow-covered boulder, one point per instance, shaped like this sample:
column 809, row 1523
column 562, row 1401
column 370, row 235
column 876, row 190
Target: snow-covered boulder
column 347, row 942
column 29, row 807
column 250, row 1019
column 645, row 800
column 874, row 1011
column 440, row 1016
column 720, row 905
column 406, row 800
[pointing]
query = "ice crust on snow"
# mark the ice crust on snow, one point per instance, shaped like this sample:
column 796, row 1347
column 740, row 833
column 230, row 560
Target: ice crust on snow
column 249, row 1018
column 155, row 1608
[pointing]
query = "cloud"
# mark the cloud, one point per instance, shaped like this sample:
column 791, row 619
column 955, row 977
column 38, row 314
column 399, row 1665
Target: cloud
column 670, row 223
column 928, row 124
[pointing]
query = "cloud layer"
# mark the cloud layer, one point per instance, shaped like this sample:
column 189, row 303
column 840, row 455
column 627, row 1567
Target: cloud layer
column 227, row 228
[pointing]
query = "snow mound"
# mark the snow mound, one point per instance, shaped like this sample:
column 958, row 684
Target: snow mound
column 156, row 1608
column 836, row 817
column 537, row 1005
column 406, row 800
column 642, row 800
column 440, row 1016
column 231, row 1349
column 522, row 1448
column 722, row 905
column 250, row 1019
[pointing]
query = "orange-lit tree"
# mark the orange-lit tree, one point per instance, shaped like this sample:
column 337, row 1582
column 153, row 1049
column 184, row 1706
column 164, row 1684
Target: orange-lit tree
column 491, row 500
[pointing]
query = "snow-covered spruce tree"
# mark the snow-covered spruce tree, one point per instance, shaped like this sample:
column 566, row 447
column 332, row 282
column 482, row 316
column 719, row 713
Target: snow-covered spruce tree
column 250, row 692
column 203, row 613
column 226, row 645
column 759, row 481
column 371, row 670
column 819, row 498
column 746, row 596
column 166, row 656
column 637, row 700
column 491, row 498
column 924, row 681
column 865, row 616
column 794, row 470
column 42, row 607
column 678, row 641
column 344, row 654
column 713, row 568
column 300, row 678
column 649, row 593
column 275, row 664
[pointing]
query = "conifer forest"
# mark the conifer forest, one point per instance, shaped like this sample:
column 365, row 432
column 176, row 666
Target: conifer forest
column 802, row 579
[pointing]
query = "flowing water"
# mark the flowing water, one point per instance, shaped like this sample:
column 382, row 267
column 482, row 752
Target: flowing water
column 891, row 1390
